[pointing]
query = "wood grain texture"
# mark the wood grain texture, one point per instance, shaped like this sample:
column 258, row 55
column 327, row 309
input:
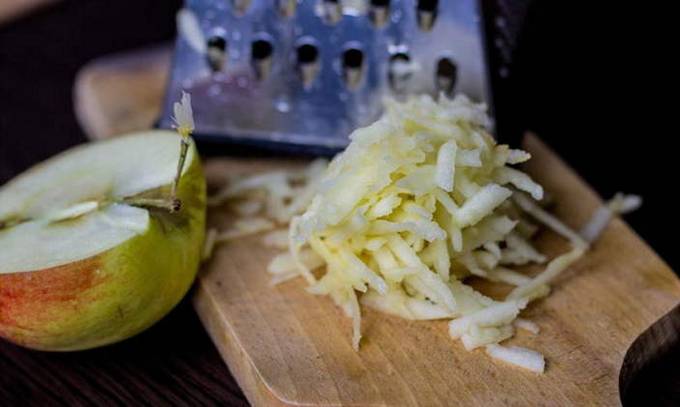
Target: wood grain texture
column 287, row 347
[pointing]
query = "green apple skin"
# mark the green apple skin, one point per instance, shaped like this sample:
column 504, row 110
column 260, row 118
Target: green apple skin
column 115, row 294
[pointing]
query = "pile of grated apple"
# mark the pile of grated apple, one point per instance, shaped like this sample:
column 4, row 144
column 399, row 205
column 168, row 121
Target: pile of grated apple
column 419, row 201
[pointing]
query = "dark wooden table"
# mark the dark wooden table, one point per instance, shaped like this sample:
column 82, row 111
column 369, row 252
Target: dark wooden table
column 174, row 363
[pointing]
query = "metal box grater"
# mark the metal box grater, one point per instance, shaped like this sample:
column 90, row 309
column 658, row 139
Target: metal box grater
column 303, row 74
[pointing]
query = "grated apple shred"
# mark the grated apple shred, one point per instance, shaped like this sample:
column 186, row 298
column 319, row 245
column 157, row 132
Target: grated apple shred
column 527, row 325
column 419, row 201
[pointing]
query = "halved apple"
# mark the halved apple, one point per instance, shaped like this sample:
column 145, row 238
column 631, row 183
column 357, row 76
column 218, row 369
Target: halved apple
column 86, row 258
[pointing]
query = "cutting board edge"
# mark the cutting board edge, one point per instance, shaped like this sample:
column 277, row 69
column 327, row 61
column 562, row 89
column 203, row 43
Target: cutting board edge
column 530, row 141
column 239, row 364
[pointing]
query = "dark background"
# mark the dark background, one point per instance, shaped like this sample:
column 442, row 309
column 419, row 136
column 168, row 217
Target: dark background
column 592, row 82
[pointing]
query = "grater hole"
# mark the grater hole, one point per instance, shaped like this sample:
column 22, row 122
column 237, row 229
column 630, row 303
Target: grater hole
column 261, row 53
column 307, row 63
column 428, row 5
column 262, row 49
column 379, row 12
column 426, row 12
column 446, row 75
column 216, row 53
column 352, row 67
column 353, row 58
column 400, row 72
column 307, row 54
column 217, row 42
column 331, row 11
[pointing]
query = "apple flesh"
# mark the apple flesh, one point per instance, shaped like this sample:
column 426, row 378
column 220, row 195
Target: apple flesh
column 106, row 274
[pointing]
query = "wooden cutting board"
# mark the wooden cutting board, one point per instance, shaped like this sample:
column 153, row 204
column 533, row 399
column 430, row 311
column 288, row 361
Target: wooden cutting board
column 287, row 347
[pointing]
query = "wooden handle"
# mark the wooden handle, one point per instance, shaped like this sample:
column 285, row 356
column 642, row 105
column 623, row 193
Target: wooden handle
column 11, row 9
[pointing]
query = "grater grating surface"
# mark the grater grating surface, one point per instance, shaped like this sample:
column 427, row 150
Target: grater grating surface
column 306, row 73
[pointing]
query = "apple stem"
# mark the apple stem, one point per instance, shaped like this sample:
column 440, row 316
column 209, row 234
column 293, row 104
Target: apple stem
column 171, row 205
column 184, row 147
